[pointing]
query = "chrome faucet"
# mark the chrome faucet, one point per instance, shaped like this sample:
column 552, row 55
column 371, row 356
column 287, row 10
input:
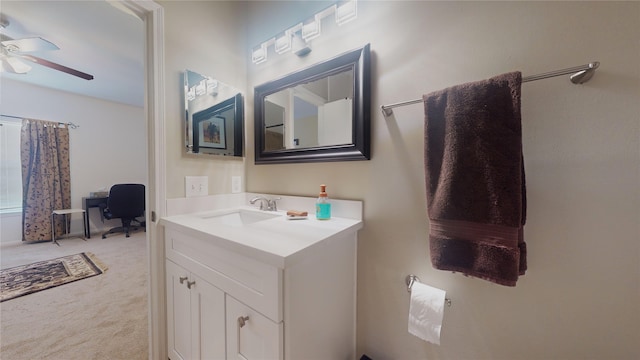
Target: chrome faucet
column 266, row 204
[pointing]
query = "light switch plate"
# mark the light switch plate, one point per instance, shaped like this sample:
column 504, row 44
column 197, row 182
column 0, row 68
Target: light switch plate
column 196, row 186
column 236, row 184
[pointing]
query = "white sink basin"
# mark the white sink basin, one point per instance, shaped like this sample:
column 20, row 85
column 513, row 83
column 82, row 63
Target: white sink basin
column 240, row 218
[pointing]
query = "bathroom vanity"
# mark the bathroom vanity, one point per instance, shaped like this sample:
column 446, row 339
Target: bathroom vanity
column 249, row 284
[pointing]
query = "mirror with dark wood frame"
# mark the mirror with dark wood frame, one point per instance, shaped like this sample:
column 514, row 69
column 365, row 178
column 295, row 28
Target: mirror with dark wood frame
column 321, row 113
column 214, row 116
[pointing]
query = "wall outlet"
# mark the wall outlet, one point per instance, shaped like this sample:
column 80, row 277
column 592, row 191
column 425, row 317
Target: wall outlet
column 236, row 184
column 196, row 186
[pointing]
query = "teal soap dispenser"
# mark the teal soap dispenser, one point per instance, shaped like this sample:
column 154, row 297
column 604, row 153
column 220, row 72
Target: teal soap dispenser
column 323, row 206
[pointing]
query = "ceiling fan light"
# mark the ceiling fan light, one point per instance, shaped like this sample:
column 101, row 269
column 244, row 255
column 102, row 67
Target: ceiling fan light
column 30, row 44
column 16, row 66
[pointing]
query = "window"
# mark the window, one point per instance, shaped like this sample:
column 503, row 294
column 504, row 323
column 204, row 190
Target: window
column 10, row 167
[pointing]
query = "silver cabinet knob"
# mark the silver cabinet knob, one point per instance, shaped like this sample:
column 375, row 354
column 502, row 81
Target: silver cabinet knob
column 182, row 279
column 242, row 321
column 190, row 284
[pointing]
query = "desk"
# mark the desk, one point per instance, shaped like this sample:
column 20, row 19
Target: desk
column 91, row 202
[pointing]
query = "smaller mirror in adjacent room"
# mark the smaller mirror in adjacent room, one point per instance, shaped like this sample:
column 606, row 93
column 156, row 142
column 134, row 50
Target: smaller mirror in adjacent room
column 214, row 116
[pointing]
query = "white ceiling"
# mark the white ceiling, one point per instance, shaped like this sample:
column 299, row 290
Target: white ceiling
column 93, row 36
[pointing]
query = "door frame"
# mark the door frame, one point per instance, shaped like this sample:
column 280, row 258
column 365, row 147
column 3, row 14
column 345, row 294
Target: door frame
column 152, row 14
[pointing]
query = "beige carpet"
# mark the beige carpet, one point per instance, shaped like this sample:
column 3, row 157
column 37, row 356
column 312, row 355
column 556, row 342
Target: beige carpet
column 102, row 317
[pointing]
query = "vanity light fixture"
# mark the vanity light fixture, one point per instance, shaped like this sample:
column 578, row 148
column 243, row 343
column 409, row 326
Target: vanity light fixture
column 207, row 85
column 297, row 37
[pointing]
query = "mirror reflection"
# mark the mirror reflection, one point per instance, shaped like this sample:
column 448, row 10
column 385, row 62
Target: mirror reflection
column 316, row 113
column 320, row 113
column 214, row 116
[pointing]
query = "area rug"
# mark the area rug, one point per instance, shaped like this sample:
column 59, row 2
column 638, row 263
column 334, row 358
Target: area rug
column 27, row 279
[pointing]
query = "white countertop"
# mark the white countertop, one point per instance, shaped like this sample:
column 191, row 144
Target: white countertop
column 277, row 241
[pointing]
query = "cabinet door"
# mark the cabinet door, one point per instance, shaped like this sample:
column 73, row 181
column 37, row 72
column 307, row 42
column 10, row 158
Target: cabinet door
column 178, row 313
column 250, row 335
column 195, row 316
column 208, row 316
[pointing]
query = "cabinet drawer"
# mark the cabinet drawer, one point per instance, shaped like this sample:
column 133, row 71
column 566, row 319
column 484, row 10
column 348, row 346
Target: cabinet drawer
column 257, row 284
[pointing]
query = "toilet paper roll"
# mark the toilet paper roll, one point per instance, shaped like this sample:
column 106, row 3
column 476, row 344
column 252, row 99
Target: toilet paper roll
column 426, row 311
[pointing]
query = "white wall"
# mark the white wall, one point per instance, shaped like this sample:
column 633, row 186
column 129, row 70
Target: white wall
column 580, row 297
column 109, row 147
column 206, row 37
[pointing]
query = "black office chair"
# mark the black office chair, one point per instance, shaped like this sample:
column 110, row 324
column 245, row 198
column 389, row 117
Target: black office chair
column 126, row 201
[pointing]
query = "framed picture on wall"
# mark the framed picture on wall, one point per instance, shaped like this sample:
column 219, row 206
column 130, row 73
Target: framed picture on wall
column 218, row 129
column 212, row 133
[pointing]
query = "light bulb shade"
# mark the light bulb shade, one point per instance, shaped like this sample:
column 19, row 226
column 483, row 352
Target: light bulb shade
column 259, row 54
column 311, row 28
column 212, row 86
column 201, row 88
column 346, row 11
column 16, row 65
column 191, row 94
column 283, row 42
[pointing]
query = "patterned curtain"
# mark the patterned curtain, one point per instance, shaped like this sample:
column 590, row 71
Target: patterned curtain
column 46, row 178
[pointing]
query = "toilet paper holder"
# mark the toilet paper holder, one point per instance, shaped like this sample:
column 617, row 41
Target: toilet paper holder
column 410, row 279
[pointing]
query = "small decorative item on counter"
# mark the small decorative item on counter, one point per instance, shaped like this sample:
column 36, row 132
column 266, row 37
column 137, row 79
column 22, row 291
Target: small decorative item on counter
column 296, row 215
column 323, row 206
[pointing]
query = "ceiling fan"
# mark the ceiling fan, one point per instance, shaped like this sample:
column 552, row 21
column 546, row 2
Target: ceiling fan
column 13, row 54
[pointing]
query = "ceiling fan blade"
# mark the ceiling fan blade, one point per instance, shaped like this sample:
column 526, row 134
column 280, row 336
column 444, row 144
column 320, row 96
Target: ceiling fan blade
column 29, row 44
column 14, row 65
column 58, row 67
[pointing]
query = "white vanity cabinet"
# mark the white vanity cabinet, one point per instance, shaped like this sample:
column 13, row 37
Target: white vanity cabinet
column 294, row 302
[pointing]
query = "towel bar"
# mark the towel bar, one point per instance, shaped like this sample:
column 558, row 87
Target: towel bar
column 410, row 279
column 581, row 74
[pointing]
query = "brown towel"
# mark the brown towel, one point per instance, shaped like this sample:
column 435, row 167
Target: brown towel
column 474, row 174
